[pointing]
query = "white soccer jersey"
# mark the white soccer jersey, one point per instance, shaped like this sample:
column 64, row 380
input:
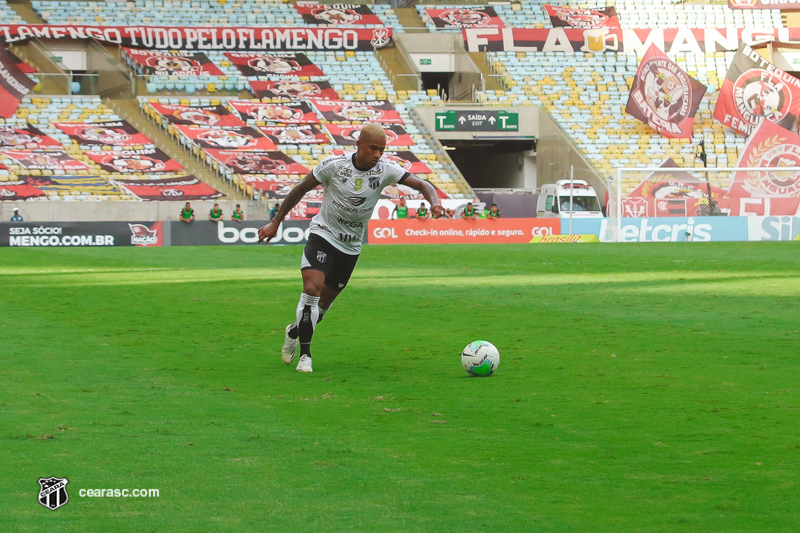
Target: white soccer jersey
column 349, row 198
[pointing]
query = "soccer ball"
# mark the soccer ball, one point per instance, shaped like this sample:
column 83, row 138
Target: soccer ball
column 480, row 358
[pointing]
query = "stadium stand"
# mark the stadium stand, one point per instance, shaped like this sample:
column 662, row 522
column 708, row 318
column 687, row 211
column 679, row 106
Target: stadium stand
column 8, row 15
column 189, row 13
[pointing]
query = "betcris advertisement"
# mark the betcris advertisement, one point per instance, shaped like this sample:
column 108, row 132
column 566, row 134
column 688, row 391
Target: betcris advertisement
column 780, row 228
column 665, row 229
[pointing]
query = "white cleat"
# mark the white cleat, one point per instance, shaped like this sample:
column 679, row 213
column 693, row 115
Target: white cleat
column 304, row 364
column 289, row 350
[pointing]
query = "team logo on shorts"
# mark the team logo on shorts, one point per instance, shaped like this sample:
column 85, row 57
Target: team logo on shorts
column 321, row 257
column 53, row 492
column 759, row 94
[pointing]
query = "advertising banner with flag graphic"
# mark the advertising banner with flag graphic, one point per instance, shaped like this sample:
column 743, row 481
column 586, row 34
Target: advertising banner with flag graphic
column 293, row 89
column 198, row 115
column 381, row 111
column 227, row 139
column 144, row 161
column 106, row 133
column 27, row 137
column 771, row 147
column 42, row 160
column 19, row 190
column 663, row 96
column 336, row 14
column 673, row 192
column 783, row 5
column 258, row 162
column 755, row 90
column 14, row 84
column 570, row 17
column 407, row 160
column 161, row 63
column 466, row 17
column 72, row 184
column 297, row 112
column 347, row 135
column 295, row 134
column 275, row 64
column 169, row 189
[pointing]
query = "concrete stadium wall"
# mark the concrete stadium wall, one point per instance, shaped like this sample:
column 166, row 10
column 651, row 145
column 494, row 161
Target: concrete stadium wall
column 84, row 211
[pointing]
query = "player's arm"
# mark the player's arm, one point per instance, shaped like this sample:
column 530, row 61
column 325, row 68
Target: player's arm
column 308, row 184
column 428, row 191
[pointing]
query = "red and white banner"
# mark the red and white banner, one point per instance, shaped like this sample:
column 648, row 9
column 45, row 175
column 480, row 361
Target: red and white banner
column 297, row 112
column 673, row 192
column 466, row 17
column 336, row 14
column 770, row 146
column 445, row 231
column 755, row 90
column 198, row 115
column 14, row 84
column 27, row 137
column 144, row 161
column 347, row 135
column 265, row 39
column 283, row 64
column 108, row 133
column 407, row 160
column 258, row 162
column 295, row 134
column 663, row 96
column 629, row 41
column 570, row 17
column 19, row 190
column 381, row 111
column 783, row 5
column 227, row 139
column 162, row 63
column 293, row 89
column 278, row 187
column 180, row 189
column 43, row 160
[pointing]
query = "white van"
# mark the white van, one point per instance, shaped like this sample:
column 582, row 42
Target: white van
column 554, row 200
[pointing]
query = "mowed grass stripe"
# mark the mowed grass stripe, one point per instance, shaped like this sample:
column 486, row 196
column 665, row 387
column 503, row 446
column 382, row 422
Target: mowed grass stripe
column 645, row 388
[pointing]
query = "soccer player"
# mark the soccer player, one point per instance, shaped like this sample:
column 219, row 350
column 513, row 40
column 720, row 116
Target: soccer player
column 352, row 184
column 215, row 215
column 469, row 212
column 238, row 214
column 187, row 213
column 494, row 212
column 401, row 210
column 422, row 212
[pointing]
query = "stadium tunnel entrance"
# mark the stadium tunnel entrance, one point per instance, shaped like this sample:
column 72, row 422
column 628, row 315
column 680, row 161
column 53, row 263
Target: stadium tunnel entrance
column 495, row 164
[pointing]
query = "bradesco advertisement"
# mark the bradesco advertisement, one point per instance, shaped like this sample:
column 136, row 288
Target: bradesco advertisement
column 682, row 229
column 414, row 231
column 204, row 232
column 59, row 234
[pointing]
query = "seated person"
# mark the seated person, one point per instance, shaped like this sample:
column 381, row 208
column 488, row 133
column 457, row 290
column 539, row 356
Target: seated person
column 494, row 212
column 238, row 214
column 187, row 213
column 215, row 215
column 469, row 212
column 401, row 210
column 422, row 212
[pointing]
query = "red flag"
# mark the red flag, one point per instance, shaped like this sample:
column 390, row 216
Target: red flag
column 380, row 111
column 335, row 14
column 182, row 189
column 286, row 64
column 467, row 17
column 770, row 146
column 663, row 96
column 755, row 90
column 570, row 17
column 258, row 162
column 227, row 139
column 172, row 63
column 14, row 84
column 107, row 133
column 293, row 89
column 297, row 112
column 295, row 134
column 144, row 161
column 199, row 115
column 347, row 135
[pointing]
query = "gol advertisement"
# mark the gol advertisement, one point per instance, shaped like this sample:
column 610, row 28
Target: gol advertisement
column 413, row 231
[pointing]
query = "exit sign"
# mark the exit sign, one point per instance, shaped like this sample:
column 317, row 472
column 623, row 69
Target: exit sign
column 477, row 120
column 425, row 61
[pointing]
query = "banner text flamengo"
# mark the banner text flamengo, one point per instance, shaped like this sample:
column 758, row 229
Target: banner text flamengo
column 188, row 38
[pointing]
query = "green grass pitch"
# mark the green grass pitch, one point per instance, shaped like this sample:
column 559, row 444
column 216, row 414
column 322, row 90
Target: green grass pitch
column 641, row 388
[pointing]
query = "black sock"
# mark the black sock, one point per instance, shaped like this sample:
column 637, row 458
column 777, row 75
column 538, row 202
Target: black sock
column 294, row 330
column 305, row 330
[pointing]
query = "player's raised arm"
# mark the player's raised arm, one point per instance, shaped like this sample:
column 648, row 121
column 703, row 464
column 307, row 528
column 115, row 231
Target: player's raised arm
column 268, row 231
column 428, row 191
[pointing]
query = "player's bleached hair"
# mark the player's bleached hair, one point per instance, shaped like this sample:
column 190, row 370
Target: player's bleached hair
column 373, row 131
